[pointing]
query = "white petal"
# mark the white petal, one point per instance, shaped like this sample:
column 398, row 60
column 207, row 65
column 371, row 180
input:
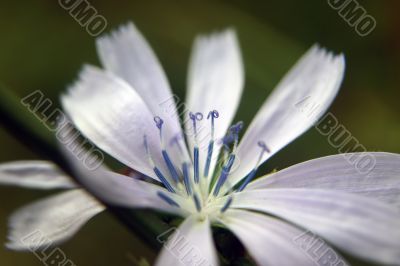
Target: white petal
column 380, row 179
column 34, row 174
column 297, row 102
column 52, row 220
column 189, row 244
column 114, row 117
column 357, row 225
column 123, row 191
column 126, row 53
column 215, row 82
column 271, row 241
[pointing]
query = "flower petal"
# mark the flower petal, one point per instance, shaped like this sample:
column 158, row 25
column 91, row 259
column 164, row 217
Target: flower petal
column 126, row 53
column 127, row 192
column 189, row 244
column 271, row 241
column 55, row 219
column 215, row 82
column 297, row 102
column 34, row 174
column 380, row 179
column 114, row 117
column 357, row 225
column 124, row 191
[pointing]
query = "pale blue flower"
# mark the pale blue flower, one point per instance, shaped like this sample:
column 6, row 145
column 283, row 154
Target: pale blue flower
column 128, row 110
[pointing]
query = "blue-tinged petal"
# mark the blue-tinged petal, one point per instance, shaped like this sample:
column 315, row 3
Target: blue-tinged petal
column 115, row 118
column 189, row 244
column 379, row 179
column 273, row 242
column 357, row 225
column 126, row 53
column 52, row 220
column 298, row 101
column 124, row 191
column 215, row 82
column 34, row 174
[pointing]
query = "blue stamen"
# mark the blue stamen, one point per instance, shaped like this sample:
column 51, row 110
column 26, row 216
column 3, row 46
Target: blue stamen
column 231, row 160
column 250, row 176
column 163, row 179
column 227, row 204
column 221, row 180
column 167, row 199
column 186, row 181
column 171, row 166
column 155, row 169
column 196, row 164
column 195, row 117
column 235, row 130
column 226, row 141
column 212, row 114
column 185, row 165
column 197, row 202
column 209, row 156
column 232, row 136
column 224, row 174
column 175, row 176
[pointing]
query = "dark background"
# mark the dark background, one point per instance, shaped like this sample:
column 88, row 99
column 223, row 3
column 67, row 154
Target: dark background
column 43, row 47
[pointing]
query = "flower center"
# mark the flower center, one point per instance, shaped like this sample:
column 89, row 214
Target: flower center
column 187, row 183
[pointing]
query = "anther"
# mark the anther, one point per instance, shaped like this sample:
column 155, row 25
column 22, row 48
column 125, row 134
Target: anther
column 197, row 203
column 195, row 117
column 185, row 165
column 196, row 164
column 232, row 136
column 224, row 174
column 226, row 141
column 167, row 199
column 170, row 166
column 227, row 204
column 235, row 130
column 209, row 156
column 250, row 176
column 175, row 176
column 157, row 171
column 186, row 180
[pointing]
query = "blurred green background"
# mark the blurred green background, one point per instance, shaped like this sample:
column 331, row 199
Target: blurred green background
column 43, row 47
